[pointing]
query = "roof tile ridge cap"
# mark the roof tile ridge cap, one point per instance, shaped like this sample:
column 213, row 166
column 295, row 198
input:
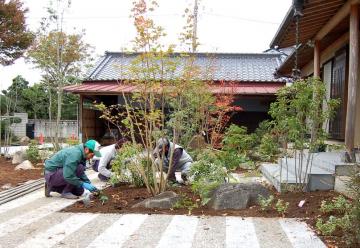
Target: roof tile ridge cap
column 101, row 65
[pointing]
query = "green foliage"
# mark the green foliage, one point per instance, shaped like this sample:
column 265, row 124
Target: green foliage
column 236, row 139
column 353, row 233
column 32, row 152
column 207, row 174
column 281, row 206
column 237, row 145
column 185, row 202
column 345, row 217
column 328, row 227
column 103, row 198
column 265, row 203
column 5, row 125
column 268, row 148
column 338, row 205
column 299, row 114
column 126, row 165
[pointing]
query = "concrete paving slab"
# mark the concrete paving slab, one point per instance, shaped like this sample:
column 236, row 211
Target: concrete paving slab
column 91, row 231
column 33, row 221
column 210, row 232
column 148, row 235
column 58, row 232
column 240, row 233
column 270, row 234
column 300, row 234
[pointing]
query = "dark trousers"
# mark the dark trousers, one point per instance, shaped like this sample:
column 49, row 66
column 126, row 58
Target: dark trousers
column 95, row 167
column 57, row 183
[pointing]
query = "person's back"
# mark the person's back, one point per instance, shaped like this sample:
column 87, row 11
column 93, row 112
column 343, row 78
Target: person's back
column 64, row 156
column 65, row 170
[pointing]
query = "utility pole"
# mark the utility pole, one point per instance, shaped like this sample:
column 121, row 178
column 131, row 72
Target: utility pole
column 194, row 38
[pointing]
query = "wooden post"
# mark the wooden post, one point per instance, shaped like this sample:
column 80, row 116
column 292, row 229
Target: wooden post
column 80, row 132
column 353, row 81
column 317, row 59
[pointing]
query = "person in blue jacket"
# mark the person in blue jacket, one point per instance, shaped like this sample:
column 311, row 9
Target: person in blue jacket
column 65, row 170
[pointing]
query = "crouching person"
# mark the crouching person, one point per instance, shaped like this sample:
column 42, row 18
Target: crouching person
column 103, row 164
column 181, row 160
column 65, row 170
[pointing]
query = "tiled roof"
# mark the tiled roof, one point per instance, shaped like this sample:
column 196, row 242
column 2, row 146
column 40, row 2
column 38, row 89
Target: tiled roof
column 225, row 67
column 114, row 88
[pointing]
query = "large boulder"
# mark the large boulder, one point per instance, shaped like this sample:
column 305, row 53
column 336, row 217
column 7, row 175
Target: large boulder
column 26, row 165
column 19, row 157
column 237, row 196
column 24, row 141
column 165, row 200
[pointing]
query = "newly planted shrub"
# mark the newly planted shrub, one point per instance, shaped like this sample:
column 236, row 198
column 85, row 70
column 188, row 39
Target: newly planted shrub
column 338, row 205
column 185, row 202
column 32, row 153
column 265, row 203
column 328, row 227
column 281, row 207
column 127, row 165
column 207, row 174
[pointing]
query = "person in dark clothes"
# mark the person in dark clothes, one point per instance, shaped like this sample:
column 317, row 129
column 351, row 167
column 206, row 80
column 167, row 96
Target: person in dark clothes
column 181, row 160
column 65, row 170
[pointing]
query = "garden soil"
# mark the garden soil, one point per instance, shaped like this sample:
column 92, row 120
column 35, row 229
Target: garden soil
column 120, row 200
column 15, row 177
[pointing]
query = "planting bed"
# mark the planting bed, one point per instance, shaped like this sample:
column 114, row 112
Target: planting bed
column 16, row 177
column 122, row 198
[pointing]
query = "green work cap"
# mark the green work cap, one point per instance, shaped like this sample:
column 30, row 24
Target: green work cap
column 94, row 147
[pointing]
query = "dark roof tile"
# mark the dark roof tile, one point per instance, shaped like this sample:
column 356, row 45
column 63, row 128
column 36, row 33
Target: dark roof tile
column 225, row 67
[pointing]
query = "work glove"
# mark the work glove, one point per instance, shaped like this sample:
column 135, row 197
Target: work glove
column 89, row 187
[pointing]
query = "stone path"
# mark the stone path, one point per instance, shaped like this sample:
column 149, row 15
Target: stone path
column 34, row 221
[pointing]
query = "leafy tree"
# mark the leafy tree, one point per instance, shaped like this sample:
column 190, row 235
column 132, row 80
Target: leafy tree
column 35, row 98
column 15, row 92
column 14, row 36
column 297, row 113
column 60, row 56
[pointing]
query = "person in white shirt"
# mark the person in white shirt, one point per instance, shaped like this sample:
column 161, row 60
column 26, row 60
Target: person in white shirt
column 103, row 164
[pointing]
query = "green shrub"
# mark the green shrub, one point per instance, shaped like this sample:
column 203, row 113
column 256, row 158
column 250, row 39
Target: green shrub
column 265, row 203
column 32, row 152
column 281, row 207
column 268, row 148
column 126, row 163
column 237, row 145
column 338, row 205
column 207, row 173
column 185, row 202
column 236, row 139
column 328, row 227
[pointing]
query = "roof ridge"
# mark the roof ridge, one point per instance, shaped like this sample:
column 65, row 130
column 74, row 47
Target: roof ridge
column 200, row 53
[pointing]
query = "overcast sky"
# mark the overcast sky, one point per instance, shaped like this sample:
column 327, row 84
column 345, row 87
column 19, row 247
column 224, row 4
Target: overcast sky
column 232, row 26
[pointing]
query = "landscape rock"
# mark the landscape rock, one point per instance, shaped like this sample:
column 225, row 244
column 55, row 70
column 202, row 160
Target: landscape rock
column 19, row 157
column 165, row 200
column 24, row 141
column 26, row 165
column 237, row 196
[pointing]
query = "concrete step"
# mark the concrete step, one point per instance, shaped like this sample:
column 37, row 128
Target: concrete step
column 277, row 177
column 282, row 176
